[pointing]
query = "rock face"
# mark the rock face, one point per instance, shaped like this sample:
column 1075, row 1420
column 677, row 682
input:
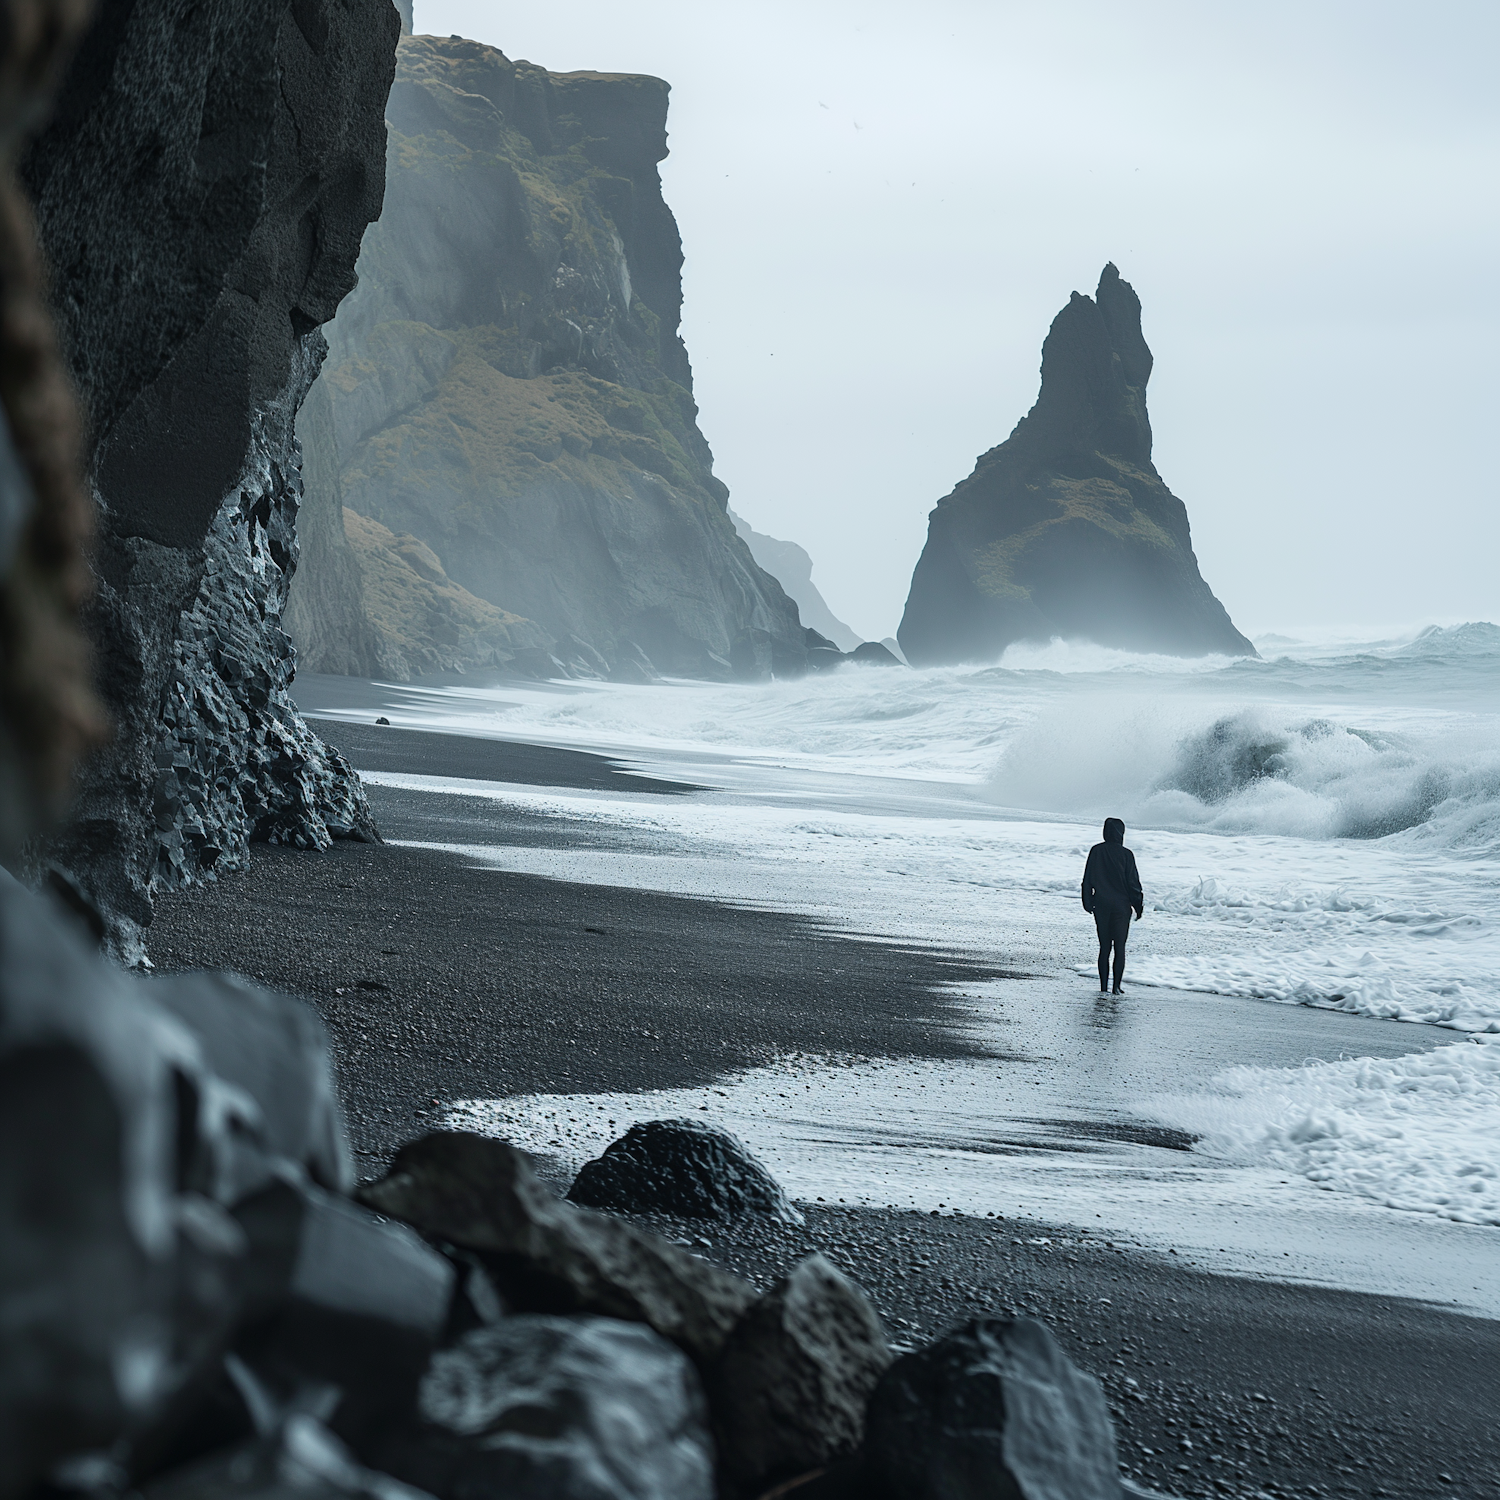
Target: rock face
column 1066, row 529
column 791, row 567
column 547, row 1256
column 995, row 1411
column 545, row 1408
column 201, row 195
column 328, row 623
column 508, row 384
column 374, row 604
column 680, row 1167
column 792, row 1384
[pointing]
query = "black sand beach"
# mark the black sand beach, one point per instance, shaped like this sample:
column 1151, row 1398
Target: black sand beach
column 439, row 980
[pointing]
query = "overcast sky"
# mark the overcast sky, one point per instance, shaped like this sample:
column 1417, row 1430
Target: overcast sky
column 883, row 206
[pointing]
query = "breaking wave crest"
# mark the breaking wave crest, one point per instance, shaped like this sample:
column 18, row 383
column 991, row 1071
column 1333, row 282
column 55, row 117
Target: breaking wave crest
column 1259, row 770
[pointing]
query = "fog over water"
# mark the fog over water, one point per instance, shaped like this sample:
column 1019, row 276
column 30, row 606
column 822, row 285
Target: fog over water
column 884, row 206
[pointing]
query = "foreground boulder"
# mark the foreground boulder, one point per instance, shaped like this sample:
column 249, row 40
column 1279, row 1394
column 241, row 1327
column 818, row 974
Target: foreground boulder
column 790, row 1389
column 681, row 1167
column 549, row 1408
column 336, row 1296
column 547, row 1256
column 157, row 1214
column 274, row 1052
column 1066, row 529
column 995, row 1411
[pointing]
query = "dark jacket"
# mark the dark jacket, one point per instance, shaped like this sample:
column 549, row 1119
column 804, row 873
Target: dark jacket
column 1110, row 879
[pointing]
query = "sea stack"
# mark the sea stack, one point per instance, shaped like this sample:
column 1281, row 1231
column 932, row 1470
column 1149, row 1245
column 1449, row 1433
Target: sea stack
column 1066, row 529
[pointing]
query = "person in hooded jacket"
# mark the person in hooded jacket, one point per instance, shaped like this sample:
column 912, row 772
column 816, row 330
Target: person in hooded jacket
column 1111, row 891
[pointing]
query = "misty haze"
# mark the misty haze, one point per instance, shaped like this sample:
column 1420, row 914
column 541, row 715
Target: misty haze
column 748, row 752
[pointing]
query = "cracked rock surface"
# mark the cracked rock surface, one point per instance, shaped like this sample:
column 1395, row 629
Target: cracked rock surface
column 201, row 195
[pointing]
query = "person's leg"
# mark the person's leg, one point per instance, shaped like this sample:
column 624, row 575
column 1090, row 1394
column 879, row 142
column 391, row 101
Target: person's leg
column 1120, row 933
column 1102, row 927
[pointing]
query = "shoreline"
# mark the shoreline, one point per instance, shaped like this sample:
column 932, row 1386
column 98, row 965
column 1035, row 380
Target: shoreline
column 460, row 980
column 441, row 980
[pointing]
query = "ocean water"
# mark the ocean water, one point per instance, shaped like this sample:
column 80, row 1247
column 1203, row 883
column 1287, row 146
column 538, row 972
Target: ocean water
column 1317, row 831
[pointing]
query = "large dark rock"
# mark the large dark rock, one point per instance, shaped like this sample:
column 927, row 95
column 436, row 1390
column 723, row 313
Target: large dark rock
column 1066, row 529
column 274, row 1051
column 549, row 1408
column 508, row 382
column 336, row 1296
column 201, row 195
column 134, row 1114
column 546, row 1255
column 790, row 1389
column 680, row 1167
column 873, row 654
column 994, row 1411
column 118, row 1278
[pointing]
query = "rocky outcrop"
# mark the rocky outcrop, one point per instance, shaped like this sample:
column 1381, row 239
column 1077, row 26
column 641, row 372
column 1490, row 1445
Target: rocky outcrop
column 549, row 1256
column 201, row 195
column 508, row 384
column 791, row 567
column 1066, row 529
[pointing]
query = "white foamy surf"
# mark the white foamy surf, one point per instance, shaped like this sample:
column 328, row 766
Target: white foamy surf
column 1415, row 1133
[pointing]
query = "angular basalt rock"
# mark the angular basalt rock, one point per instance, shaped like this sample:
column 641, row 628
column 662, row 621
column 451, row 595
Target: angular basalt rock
column 1066, row 529
column 336, row 1295
column 549, row 1408
column 790, row 1389
column 123, row 1275
column 995, row 1411
column 201, row 195
column 548, row 1256
column 681, row 1167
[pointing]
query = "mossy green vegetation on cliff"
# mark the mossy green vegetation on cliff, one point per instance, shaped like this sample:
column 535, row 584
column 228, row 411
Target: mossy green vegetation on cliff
column 426, row 622
column 1066, row 529
column 508, row 383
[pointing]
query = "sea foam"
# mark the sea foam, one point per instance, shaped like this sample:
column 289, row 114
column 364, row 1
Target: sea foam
column 1415, row 1132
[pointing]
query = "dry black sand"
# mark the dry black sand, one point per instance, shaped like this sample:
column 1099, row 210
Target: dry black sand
column 441, row 981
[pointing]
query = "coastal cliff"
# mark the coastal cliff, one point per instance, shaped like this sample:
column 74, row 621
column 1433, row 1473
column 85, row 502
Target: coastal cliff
column 508, row 386
column 201, row 194
column 790, row 565
column 1066, row 529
